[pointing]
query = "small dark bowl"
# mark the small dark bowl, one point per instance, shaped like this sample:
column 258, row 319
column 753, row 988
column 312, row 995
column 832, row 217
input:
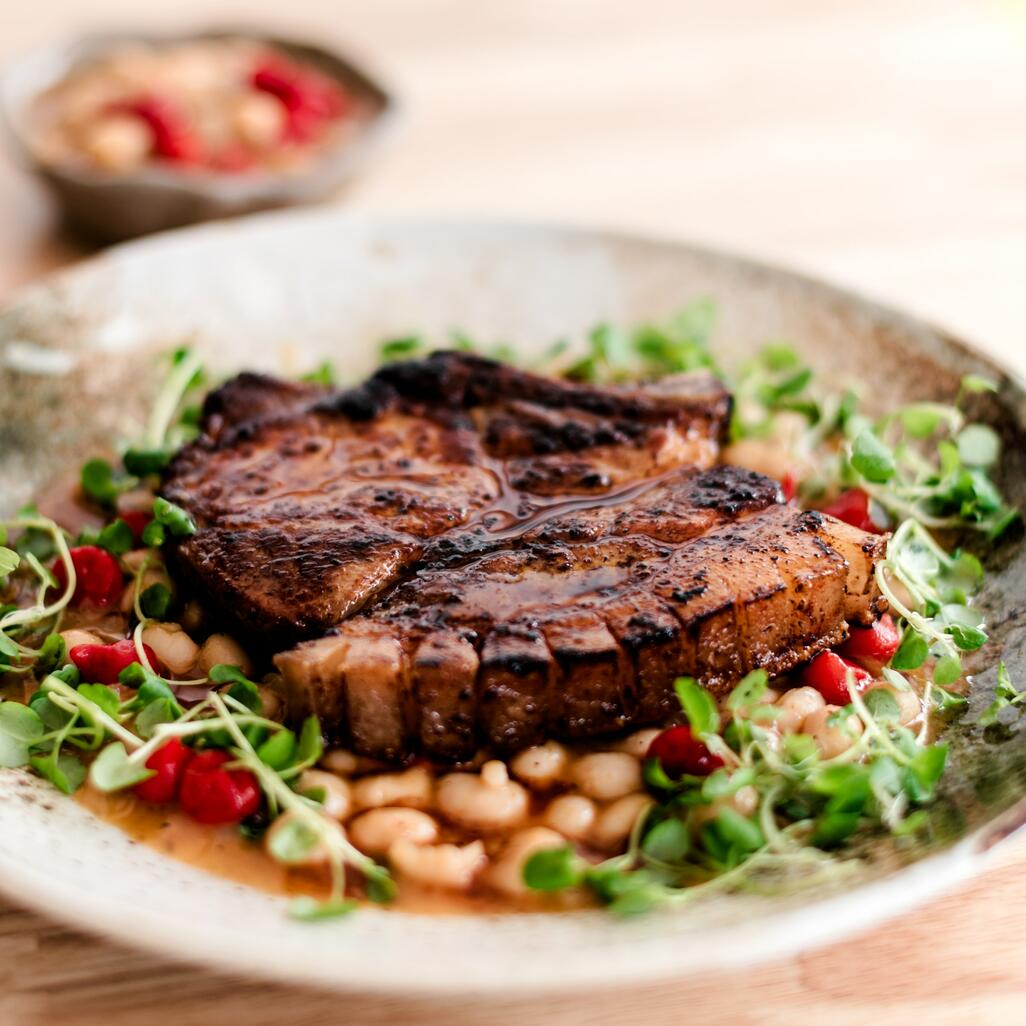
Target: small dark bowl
column 111, row 208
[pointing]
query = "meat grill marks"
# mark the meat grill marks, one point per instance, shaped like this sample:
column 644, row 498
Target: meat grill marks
column 490, row 557
column 579, row 639
column 310, row 504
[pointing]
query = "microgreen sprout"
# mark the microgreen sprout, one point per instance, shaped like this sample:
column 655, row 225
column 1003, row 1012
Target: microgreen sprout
column 693, row 840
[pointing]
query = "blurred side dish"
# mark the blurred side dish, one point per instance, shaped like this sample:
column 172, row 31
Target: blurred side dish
column 225, row 105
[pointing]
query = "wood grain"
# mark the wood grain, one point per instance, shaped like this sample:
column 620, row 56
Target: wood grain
column 876, row 143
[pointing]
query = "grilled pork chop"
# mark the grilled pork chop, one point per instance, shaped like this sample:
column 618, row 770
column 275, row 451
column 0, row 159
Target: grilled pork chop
column 491, row 557
column 311, row 504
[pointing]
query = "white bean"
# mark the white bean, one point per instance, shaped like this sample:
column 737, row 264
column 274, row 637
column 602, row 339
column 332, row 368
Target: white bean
column 221, row 648
column 607, row 775
column 412, row 788
column 572, row 815
column 376, row 830
column 337, row 799
column 796, row 706
column 448, row 866
column 338, row 760
column 831, row 741
column 639, row 742
column 117, row 143
column 542, row 766
column 481, row 802
column 615, row 822
column 258, row 119
column 172, row 646
column 506, row 874
column 74, row 638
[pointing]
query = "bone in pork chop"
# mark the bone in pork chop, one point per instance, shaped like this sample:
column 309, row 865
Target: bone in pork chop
column 494, row 557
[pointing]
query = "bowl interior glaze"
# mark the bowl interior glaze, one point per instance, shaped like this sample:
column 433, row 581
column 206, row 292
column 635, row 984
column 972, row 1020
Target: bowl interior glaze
column 284, row 292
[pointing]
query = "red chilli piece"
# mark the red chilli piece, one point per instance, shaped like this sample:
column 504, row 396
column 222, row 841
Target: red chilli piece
column 136, row 520
column 789, row 486
column 875, row 644
column 168, row 763
column 852, row 507
column 828, row 674
column 309, row 98
column 98, row 577
column 680, row 752
column 173, row 137
column 214, row 795
column 101, row 664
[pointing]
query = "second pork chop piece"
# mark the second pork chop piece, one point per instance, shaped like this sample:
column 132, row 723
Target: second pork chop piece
column 310, row 504
column 578, row 626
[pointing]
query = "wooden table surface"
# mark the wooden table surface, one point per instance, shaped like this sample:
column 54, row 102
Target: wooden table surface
column 880, row 143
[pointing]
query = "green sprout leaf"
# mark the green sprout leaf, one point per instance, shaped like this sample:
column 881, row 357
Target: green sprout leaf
column 99, row 483
column 699, row 706
column 20, row 728
column 749, row 691
column 173, row 518
column 872, row 458
column 111, row 770
column 143, row 462
column 292, row 841
column 978, row 445
column 947, row 670
column 310, row 910
column 323, row 374
column 912, row 651
column 63, row 771
column 401, row 348
column 553, row 869
column 9, row 561
column 968, row 639
column 154, row 535
column 668, row 841
column 155, row 601
column 116, row 538
column 882, row 705
column 279, row 750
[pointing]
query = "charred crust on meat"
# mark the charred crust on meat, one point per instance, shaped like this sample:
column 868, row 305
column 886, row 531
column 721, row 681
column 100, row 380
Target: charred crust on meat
column 507, row 557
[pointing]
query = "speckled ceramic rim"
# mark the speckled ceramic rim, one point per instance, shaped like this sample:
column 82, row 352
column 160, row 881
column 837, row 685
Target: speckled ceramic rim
column 55, row 857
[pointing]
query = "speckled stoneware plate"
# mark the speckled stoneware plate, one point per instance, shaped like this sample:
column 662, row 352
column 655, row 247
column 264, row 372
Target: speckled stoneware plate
column 285, row 292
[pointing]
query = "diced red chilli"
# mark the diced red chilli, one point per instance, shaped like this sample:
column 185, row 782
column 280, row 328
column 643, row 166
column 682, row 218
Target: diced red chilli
column 173, row 137
column 309, row 98
column 875, row 644
column 99, row 581
column 233, row 158
column 679, row 752
column 101, row 664
column 852, row 507
column 789, row 486
column 828, row 674
column 136, row 520
column 169, row 763
column 214, row 795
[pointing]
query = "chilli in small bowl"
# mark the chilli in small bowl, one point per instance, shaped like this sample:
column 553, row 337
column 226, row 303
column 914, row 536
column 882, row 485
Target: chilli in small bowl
column 135, row 134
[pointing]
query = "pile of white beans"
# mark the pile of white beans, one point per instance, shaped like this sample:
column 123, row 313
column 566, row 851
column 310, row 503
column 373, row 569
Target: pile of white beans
column 475, row 829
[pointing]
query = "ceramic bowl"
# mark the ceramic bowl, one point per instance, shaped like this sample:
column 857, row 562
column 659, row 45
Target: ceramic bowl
column 111, row 208
column 284, row 292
